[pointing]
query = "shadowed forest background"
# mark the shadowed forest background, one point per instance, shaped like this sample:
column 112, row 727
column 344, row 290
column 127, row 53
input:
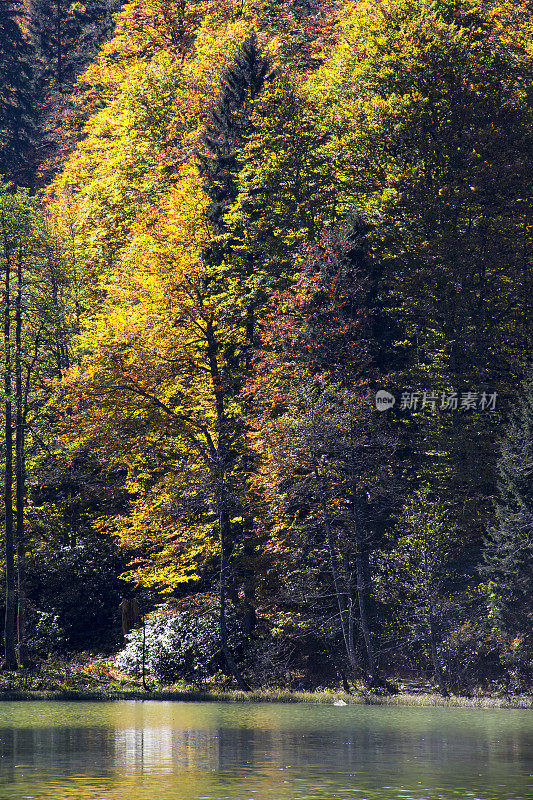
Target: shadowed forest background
column 224, row 226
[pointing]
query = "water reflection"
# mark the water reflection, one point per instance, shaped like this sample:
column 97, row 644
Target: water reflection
column 124, row 751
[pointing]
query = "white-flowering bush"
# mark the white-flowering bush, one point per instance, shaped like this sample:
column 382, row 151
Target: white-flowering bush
column 178, row 646
column 44, row 633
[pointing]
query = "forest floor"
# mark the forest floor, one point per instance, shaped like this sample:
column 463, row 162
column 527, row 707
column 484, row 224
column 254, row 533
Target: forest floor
column 94, row 679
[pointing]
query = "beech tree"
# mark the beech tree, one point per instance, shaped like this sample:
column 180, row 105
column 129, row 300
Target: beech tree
column 428, row 120
column 324, row 450
column 218, row 317
column 162, row 344
column 419, row 561
column 16, row 251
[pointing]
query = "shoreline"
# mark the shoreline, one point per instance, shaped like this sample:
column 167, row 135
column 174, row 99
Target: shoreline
column 328, row 697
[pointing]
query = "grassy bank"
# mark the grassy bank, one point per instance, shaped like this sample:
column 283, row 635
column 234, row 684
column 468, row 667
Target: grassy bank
column 326, row 697
column 95, row 679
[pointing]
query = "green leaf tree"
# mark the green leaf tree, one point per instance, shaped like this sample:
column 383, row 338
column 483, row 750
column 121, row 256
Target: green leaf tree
column 508, row 552
column 419, row 562
column 324, row 449
column 429, row 123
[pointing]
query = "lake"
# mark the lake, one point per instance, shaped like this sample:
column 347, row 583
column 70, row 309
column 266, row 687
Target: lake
column 222, row 751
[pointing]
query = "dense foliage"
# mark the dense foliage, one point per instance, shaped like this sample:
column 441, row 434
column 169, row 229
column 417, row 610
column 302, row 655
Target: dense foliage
column 256, row 220
column 177, row 646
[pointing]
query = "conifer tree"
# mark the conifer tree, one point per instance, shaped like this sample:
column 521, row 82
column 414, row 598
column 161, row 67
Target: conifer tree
column 57, row 27
column 219, row 167
column 508, row 554
column 226, row 130
column 15, row 90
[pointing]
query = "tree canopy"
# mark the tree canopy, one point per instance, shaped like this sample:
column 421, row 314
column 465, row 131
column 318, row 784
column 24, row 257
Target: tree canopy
column 255, row 221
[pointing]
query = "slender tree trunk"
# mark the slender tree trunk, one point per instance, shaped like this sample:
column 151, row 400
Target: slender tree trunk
column 363, row 610
column 73, row 521
column 220, row 455
column 362, row 595
column 437, row 663
column 364, row 617
column 20, row 470
column 9, row 627
column 145, row 687
column 59, row 48
column 432, row 633
column 232, row 664
column 351, row 619
column 346, row 614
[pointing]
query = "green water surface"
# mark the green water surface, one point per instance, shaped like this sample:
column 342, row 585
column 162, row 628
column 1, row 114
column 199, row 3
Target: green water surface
column 222, row 751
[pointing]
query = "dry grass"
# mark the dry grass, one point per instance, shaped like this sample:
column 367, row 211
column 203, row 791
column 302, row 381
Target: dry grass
column 324, row 697
column 95, row 679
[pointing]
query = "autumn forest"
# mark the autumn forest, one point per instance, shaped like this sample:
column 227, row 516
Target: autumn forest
column 267, row 303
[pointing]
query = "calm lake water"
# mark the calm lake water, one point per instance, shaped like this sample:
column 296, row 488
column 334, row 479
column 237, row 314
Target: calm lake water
column 216, row 751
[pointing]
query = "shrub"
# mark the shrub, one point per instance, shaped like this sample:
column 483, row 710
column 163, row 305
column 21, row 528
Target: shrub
column 46, row 635
column 178, row 646
column 79, row 587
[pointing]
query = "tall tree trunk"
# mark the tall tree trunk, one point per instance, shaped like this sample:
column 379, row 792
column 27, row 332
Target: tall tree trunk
column 432, row 633
column 9, row 627
column 346, row 614
column 437, row 664
column 59, row 47
column 224, row 532
column 20, row 475
column 351, row 620
column 363, row 608
column 362, row 593
column 220, row 465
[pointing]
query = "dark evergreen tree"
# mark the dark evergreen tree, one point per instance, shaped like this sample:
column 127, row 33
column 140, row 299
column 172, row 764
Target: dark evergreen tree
column 66, row 39
column 218, row 162
column 16, row 78
column 59, row 31
column 226, row 130
column 508, row 554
